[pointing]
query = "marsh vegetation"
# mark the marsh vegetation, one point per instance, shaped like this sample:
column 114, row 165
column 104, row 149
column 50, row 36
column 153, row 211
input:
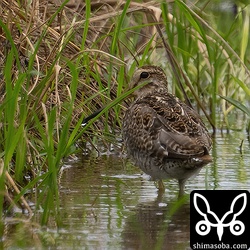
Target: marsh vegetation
column 62, row 62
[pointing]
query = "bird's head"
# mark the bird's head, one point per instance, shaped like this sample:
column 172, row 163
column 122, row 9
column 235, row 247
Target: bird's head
column 152, row 79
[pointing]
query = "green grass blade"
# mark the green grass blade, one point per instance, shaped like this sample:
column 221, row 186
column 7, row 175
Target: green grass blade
column 195, row 24
column 245, row 33
column 12, row 43
column 118, row 28
column 242, row 85
column 237, row 104
column 86, row 24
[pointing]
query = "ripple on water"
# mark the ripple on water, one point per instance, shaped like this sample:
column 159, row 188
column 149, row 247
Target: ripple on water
column 107, row 203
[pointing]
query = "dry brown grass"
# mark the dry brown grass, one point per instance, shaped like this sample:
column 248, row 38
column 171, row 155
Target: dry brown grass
column 96, row 48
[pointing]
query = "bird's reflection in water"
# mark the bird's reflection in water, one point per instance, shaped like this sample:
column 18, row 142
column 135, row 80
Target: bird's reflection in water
column 159, row 224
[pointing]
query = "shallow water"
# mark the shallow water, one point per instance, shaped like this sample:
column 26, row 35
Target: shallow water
column 107, row 203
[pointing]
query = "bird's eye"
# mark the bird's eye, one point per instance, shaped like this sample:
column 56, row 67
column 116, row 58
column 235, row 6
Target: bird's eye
column 144, row 75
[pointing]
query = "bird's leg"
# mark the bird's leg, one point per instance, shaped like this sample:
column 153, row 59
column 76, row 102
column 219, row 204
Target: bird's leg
column 182, row 183
column 161, row 186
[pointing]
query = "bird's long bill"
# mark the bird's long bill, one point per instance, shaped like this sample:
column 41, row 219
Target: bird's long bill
column 113, row 103
column 93, row 115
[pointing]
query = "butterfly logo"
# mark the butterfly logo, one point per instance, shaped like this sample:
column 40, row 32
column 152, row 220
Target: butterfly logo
column 203, row 227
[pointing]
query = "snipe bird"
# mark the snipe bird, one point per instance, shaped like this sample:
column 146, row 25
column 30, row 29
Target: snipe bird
column 164, row 136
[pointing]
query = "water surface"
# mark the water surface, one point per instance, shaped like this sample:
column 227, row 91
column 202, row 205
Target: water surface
column 107, row 203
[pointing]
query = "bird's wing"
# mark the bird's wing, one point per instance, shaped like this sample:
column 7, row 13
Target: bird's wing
column 167, row 128
column 185, row 135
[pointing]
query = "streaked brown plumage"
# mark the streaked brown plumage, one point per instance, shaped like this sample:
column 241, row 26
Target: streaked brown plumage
column 165, row 137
